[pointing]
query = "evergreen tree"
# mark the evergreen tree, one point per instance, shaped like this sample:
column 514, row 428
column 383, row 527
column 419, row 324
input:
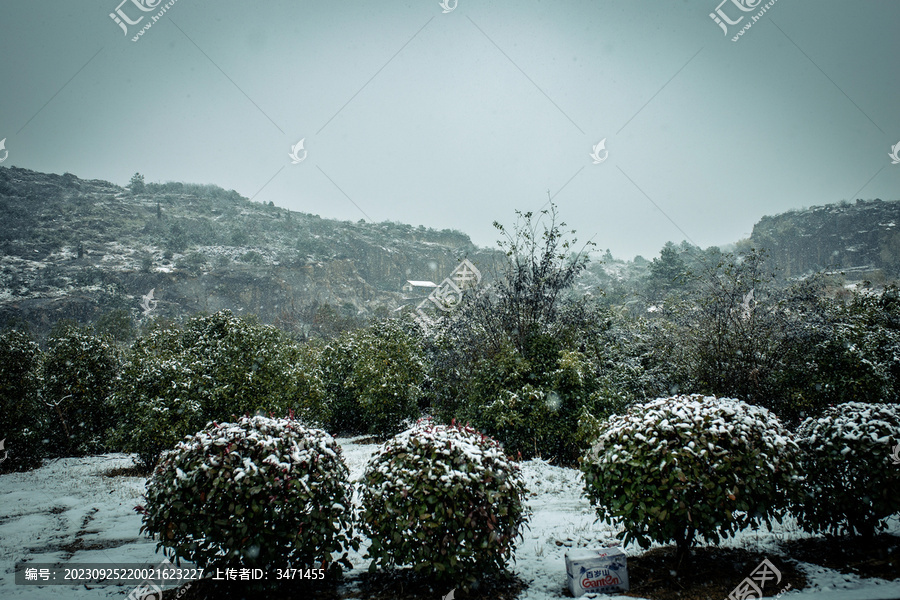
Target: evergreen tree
column 136, row 185
column 667, row 273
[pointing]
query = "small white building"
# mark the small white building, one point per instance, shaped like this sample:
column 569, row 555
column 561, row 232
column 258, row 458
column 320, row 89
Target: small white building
column 423, row 287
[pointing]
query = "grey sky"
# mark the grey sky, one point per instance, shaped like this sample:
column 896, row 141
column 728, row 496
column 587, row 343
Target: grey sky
column 454, row 120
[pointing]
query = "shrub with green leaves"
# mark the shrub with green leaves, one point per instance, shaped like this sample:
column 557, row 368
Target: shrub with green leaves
column 22, row 418
column 373, row 378
column 851, row 485
column 675, row 468
column 164, row 407
column 260, row 492
column 216, row 366
column 77, row 374
column 445, row 500
column 539, row 419
column 247, row 367
column 846, row 349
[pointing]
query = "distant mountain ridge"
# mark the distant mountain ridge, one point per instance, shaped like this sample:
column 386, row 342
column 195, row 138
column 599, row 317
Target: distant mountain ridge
column 81, row 249
column 75, row 248
column 863, row 236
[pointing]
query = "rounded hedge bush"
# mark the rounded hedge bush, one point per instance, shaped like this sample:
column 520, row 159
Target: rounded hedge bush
column 678, row 467
column 445, row 500
column 851, row 482
column 260, row 492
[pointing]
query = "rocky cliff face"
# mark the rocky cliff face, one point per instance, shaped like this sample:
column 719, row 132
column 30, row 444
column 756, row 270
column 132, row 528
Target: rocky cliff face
column 863, row 237
column 72, row 248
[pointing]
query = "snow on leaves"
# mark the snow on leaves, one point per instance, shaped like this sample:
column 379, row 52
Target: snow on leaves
column 445, row 499
column 678, row 467
column 852, row 485
column 258, row 492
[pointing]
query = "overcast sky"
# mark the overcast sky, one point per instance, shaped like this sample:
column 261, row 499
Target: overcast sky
column 455, row 119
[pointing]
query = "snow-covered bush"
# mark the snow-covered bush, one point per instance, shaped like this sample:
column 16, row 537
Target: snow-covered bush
column 249, row 366
column 77, row 374
column 541, row 420
column 259, row 492
column 678, row 467
column 444, row 500
column 215, row 367
column 161, row 407
column 373, row 378
column 850, row 484
column 22, row 418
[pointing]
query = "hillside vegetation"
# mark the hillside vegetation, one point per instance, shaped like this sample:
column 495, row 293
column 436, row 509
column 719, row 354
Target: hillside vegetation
column 862, row 237
column 89, row 249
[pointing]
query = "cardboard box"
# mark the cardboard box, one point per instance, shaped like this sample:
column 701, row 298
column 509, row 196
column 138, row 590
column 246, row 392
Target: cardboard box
column 601, row 571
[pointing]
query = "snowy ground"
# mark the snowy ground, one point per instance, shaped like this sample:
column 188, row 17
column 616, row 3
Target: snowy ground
column 70, row 512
